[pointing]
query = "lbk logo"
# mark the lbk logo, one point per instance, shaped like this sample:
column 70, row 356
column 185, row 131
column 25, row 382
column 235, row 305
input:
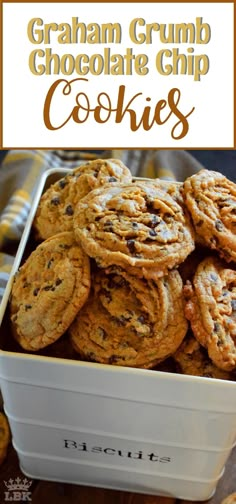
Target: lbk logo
column 17, row 490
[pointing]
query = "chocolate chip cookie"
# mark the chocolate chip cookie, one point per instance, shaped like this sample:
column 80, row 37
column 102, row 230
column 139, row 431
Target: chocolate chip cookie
column 49, row 289
column 211, row 309
column 133, row 225
column 129, row 321
column 4, row 437
column 57, row 205
column 192, row 359
column 211, row 200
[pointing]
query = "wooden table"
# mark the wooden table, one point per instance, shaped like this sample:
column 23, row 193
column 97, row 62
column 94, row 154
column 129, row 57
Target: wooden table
column 44, row 492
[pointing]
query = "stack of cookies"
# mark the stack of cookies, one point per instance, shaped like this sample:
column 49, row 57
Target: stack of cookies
column 119, row 271
column 5, row 436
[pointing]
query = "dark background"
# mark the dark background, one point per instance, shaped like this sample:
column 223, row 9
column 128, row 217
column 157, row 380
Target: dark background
column 223, row 161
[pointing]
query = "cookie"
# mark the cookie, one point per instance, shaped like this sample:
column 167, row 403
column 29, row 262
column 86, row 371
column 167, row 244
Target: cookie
column 57, row 205
column 133, row 225
column 171, row 187
column 48, row 291
column 211, row 310
column 211, row 200
column 129, row 321
column 4, row 437
column 192, row 359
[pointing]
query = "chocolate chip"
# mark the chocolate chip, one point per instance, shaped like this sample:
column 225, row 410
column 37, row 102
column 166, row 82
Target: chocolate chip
column 131, row 246
column 69, row 210
column 220, row 341
column 58, row 281
column 35, row 291
column 55, row 201
column 108, row 226
column 134, row 225
column 141, row 319
column 120, row 281
column 114, row 358
column 112, row 179
column 154, row 221
column 121, row 321
column 28, row 307
column 62, row 183
column 152, row 232
column 219, row 225
column 111, row 284
column 213, row 277
column 50, row 263
column 115, row 281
